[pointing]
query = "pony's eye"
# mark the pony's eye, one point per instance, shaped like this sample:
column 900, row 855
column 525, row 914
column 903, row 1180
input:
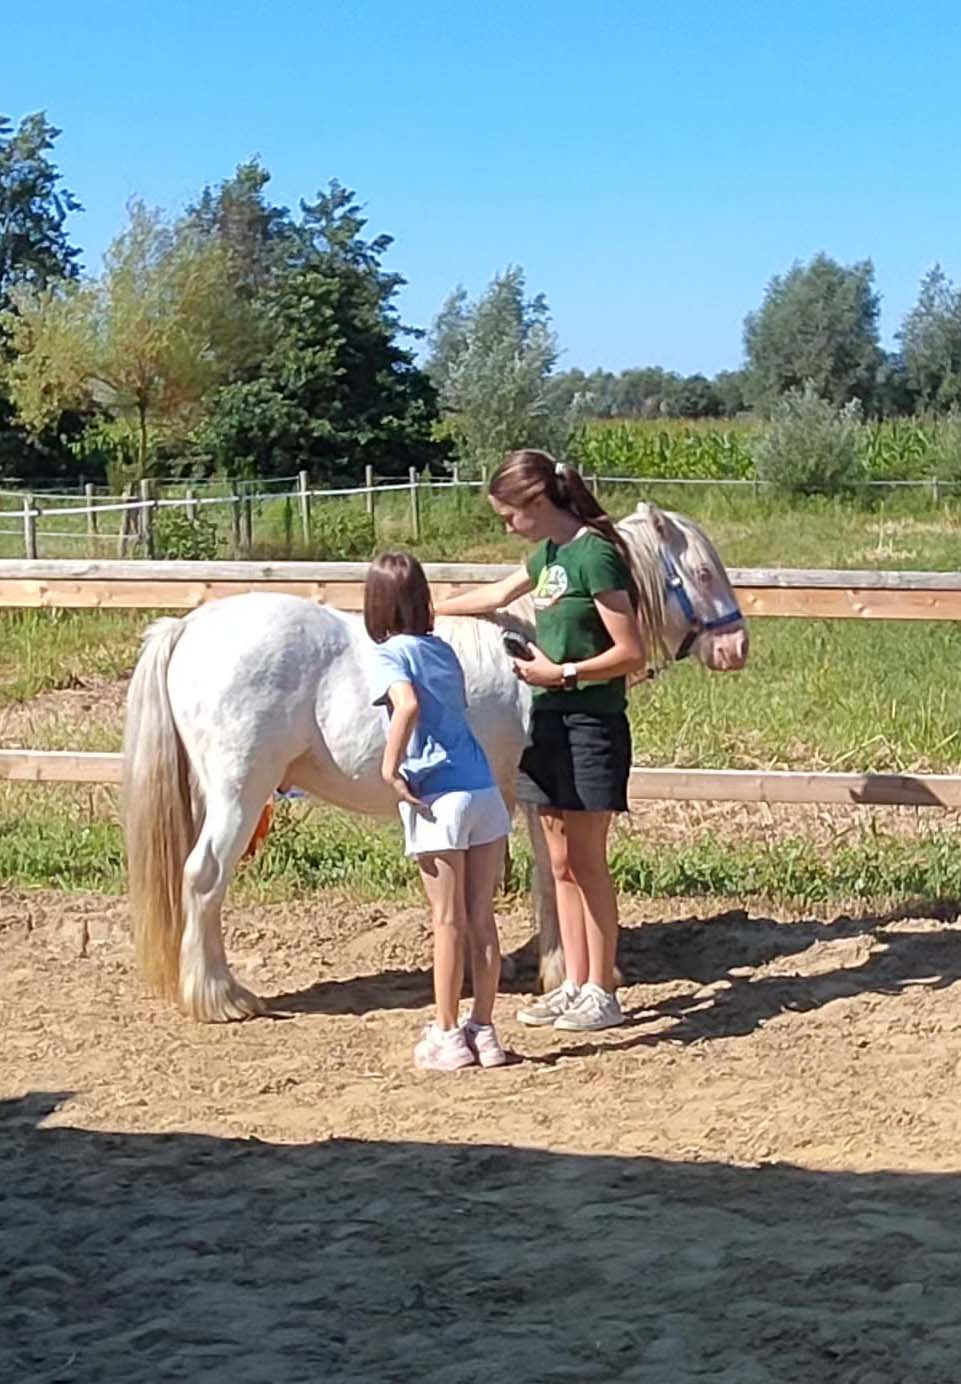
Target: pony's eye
column 705, row 576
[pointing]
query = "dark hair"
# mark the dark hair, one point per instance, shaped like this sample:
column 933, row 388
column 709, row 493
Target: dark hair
column 397, row 597
column 524, row 475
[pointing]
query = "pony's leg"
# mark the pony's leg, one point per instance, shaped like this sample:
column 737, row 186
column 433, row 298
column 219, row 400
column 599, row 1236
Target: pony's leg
column 550, row 953
column 208, row 990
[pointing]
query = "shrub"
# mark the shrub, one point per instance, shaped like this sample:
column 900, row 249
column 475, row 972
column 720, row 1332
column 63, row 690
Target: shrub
column 179, row 537
column 811, row 447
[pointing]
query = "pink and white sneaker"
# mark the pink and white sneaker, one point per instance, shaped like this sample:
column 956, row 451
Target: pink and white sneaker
column 484, row 1043
column 442, row 1051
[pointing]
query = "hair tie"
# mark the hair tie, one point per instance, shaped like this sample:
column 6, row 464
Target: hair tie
column 560, row 468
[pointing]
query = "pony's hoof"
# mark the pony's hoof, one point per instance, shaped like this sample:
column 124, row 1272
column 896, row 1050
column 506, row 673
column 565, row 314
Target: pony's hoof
column 222, row 1000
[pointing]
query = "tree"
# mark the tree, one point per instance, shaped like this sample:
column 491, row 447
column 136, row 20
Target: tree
column 147, row 341
column 333, row 390
column 34, row 206
column 818, row 323
column 491, row 364
column 730, row 387
column 34, row 251
column 931, row 342
column 694, row 397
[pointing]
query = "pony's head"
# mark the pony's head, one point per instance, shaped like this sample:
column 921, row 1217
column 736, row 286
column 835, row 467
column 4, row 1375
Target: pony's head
column 688, row 606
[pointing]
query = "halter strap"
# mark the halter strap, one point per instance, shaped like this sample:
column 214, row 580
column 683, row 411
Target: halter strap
column 674, row 586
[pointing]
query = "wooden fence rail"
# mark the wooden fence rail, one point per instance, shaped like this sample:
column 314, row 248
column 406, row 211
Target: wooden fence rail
column 781, row 592
column 763, row 592
column 678, row 785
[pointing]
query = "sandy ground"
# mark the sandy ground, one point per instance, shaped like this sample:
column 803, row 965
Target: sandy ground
column 755, row 1181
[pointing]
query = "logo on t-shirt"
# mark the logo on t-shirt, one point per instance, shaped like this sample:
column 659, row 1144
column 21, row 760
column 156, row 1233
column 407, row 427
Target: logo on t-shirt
column 551, row 586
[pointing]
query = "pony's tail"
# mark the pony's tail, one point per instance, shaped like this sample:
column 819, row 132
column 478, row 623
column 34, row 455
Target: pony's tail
column 157, row 816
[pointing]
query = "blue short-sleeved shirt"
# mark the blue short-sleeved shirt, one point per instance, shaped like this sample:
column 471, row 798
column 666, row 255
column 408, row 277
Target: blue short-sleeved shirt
column 443, row 755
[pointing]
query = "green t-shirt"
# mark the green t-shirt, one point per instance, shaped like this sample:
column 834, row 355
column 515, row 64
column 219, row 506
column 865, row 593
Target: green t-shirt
column 569, row 628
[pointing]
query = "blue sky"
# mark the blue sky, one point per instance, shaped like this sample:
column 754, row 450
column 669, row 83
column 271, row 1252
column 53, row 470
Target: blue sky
column 650, row 167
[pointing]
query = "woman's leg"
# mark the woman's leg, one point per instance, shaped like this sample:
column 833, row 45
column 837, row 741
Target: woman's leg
column 443, row 877
column 586, row 840
column 481, row 872
column 570, row 907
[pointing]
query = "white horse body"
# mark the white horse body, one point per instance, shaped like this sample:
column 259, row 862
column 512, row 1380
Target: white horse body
column 260, row 691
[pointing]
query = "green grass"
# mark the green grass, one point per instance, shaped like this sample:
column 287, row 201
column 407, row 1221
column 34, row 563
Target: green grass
column 41, row 650
column 78, row 846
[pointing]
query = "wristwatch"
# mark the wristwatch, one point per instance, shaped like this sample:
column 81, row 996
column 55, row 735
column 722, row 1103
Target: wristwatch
column 569, row 677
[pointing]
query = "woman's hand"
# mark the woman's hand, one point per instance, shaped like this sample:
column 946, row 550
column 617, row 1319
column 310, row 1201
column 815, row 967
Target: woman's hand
column 538, row 671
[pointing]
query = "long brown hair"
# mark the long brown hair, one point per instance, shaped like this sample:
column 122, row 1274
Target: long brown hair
column 524, row 475
column 397, row 597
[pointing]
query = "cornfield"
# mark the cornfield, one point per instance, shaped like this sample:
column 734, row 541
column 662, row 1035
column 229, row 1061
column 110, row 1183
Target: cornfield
column 906, row 449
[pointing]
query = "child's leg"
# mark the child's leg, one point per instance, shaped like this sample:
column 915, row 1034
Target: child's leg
column 443, row 877
column 481, row 875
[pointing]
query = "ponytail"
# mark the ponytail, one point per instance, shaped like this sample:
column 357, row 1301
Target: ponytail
column 524, row 475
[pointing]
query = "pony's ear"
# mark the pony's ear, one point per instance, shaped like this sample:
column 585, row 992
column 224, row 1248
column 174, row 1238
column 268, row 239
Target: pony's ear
column 659, row 520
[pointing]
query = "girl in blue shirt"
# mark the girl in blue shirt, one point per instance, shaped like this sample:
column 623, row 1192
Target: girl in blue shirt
column 453, row 815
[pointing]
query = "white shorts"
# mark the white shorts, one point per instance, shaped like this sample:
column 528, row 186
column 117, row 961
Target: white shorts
column 456, row 822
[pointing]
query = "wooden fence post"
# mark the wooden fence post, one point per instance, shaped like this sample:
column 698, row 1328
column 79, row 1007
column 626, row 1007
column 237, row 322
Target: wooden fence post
column 248, row 508
column 304, row 505
column 414, row 504
column 369, row 485
column 29, row 527
column 483, row 475
column 455, row 473
column 191, row 506
column 146, row 516
column 125, row 517
column 91, row 519
column 235, row 518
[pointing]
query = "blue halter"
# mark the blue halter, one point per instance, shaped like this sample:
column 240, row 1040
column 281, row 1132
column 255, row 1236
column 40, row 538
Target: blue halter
column 674, row 586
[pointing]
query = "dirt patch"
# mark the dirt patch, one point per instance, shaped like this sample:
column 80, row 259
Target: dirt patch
column 756, row 1179
column 64, row 718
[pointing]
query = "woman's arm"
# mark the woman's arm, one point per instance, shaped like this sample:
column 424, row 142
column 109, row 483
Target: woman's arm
column 404, row 709
column 484, row 600
column 626, row 655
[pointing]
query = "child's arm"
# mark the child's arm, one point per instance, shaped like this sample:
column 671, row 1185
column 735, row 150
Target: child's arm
column 404, row 709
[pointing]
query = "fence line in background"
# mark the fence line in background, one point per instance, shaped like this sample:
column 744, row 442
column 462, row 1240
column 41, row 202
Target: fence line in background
column 137, row 513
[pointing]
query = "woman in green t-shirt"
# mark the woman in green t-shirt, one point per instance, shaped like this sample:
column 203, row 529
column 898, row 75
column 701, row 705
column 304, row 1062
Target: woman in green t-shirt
column 577, row 765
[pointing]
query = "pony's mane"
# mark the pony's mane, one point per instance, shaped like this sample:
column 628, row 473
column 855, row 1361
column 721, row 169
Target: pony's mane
column 702, row 549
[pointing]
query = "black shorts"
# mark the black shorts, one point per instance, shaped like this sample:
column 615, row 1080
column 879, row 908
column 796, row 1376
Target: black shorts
column 578, row 761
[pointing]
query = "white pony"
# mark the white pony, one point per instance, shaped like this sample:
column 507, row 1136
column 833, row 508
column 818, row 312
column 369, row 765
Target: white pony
column 261, row 691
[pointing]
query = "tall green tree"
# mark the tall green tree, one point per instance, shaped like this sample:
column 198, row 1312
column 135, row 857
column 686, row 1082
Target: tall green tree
column 491, row 362
column 35, row 251
column 817, row 323
column 334, row 388
column 931, row 342
column 146, row 341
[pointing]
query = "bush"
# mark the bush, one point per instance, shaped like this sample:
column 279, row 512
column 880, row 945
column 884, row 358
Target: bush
column 811, row 447
column 340, row 531
column 181, row 538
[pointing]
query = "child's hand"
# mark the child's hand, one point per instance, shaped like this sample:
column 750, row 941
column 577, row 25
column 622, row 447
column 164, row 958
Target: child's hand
column 402, row 788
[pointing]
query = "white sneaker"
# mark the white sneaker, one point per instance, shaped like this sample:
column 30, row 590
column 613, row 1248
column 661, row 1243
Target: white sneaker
column 484, row 1043
column 595, row 1009
column 551, row 1006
